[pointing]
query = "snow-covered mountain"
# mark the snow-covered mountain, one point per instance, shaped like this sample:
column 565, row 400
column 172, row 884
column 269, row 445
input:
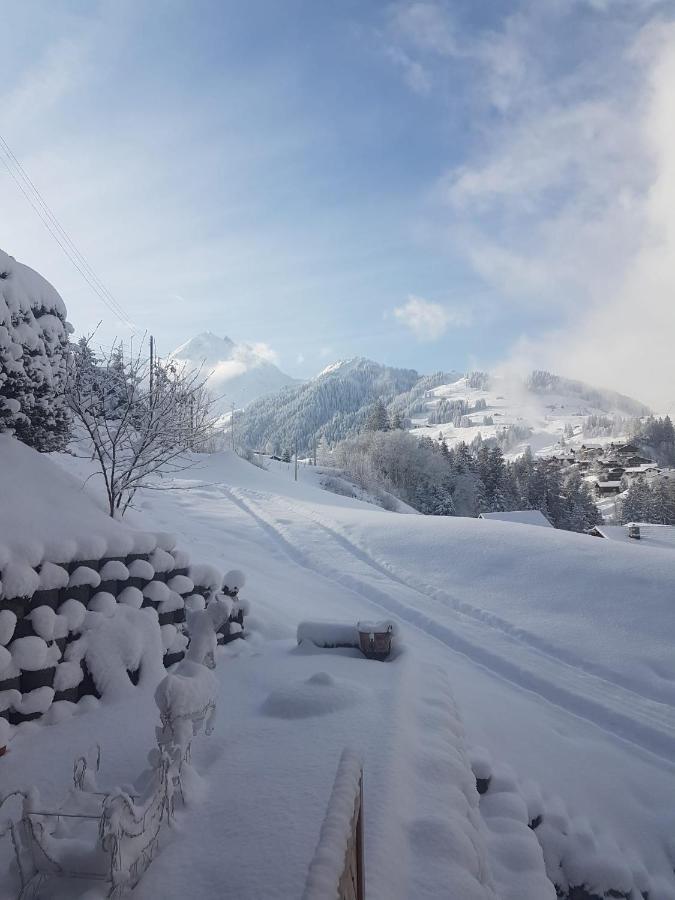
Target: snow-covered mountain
column 539, row 410
column 238, row 373
column 543, row 411
column 331, row 405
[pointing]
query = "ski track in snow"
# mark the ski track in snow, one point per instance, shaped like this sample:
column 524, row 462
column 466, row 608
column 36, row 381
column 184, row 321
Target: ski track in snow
column 480, row 636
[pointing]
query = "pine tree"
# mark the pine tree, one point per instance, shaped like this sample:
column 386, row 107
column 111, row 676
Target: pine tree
column 377, row 418
column 34, row 358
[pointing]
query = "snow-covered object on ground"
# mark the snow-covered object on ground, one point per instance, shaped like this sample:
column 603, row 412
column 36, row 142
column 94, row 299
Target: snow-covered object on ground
column 4, row 732
column 7, row 625
column 112, row 647
column 33, row 356
column 5, row 658
column 18, row 578
column 84, row 575
column 52, row 576
column 512, row 844
column 29, row 653
column 328, row 634
column 131, row 596
column 205, row 576
column 68, row 675
column 173, row 602
column 114, row 570
column 317, row 696
column 36, row 701
column 74, row 612
column 233, row 581
column 181, row 558
column 44, row 621
column 161, row 560
column 189, row 688
column 195, row 602
column 156, row 591
column 103, row 603
column 181, row 584
column 141, row 568
column 329, row 857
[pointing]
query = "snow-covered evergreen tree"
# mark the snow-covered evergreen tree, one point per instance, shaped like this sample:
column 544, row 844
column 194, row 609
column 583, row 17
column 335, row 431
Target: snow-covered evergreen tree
column 34, row 355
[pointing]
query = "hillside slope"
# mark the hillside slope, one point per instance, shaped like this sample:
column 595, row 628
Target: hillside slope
column 558, row 646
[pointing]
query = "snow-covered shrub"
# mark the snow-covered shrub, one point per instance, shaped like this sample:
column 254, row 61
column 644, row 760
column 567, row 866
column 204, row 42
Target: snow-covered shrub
column 34, row 357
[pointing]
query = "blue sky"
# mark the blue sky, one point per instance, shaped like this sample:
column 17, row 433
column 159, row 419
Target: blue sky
column 434, row 185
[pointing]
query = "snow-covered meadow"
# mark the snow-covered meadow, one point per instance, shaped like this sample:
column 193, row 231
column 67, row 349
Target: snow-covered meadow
column 556, row 648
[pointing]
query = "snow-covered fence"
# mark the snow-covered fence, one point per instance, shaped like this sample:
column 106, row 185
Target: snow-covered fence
column 50, row 613
column 337, row 869
column 62, row 843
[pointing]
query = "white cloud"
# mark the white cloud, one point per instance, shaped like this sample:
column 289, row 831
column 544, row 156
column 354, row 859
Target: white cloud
column 263, row 350
column 427, row 320
column 416, row 76
column 566, row 206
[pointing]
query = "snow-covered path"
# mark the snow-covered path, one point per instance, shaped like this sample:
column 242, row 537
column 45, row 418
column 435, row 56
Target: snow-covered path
column 482, row 638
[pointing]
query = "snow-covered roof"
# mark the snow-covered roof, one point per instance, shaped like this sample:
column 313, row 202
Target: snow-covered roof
column 651, row 535
column 522, row 516
column 608, row 484
column 46, row 514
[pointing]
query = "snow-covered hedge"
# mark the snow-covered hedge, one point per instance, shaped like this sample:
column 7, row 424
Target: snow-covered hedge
column 33, row 357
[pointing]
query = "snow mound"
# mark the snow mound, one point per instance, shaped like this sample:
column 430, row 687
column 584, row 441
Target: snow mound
column 45, row 515
column 319, row 695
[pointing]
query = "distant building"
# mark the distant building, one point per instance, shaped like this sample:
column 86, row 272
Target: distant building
column 643, row 534
column 520, row 516
column 607, row 488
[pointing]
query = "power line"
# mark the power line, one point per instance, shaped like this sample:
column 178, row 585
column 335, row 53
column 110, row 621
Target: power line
column 62, row 238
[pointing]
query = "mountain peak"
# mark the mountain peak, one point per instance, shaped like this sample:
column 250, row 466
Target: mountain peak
column 237, row 373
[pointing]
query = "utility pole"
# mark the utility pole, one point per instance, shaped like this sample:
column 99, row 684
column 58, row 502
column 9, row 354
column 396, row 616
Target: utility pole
column 315, row 452
column 296, row 461
column 152, row 362
column 232, row 425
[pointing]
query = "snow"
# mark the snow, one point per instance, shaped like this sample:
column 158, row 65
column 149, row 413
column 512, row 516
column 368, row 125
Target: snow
column 7, row 625
column 29, row 653
column 114, row 570
column 237, row 373
column 74, row 612
column 44, row 622
column 319, row 695
column 84, row 575
column 557, row 647
column 141, row 568
column 328, row 634
column 521, row 516
column 181, row 584
column 326, row 866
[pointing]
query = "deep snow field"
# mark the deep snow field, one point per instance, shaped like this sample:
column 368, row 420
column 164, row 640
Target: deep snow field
column 557, row 648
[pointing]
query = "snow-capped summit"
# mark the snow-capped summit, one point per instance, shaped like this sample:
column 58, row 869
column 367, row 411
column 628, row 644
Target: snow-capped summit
column 237, row 373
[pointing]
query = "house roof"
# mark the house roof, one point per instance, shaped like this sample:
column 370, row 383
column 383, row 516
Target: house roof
column 651, row 535
column 608, row 484
column 521, row 516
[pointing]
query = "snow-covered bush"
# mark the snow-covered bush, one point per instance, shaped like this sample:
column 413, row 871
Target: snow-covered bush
column 33, row 357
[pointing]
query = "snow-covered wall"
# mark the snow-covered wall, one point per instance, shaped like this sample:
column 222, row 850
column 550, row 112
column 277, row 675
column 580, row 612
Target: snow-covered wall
column 33, row 357
column 86, row 603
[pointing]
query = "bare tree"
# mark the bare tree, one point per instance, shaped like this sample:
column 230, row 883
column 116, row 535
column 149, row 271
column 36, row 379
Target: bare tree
column 138, row 429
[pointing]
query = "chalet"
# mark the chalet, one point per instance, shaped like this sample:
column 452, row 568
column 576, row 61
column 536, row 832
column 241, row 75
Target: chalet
column 639, row 534
column 607, row 488
column 519, row 516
